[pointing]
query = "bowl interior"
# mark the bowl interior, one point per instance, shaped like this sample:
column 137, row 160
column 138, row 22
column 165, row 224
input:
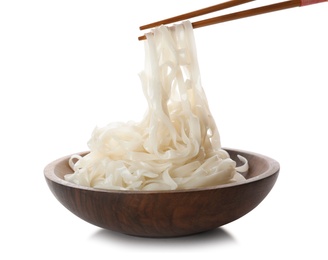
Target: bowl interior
column 260, row 167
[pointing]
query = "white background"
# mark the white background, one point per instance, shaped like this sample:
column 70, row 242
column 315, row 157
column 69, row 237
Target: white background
column 68, row 66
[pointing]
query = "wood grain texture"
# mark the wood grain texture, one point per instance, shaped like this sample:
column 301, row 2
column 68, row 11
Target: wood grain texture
column 165, row 213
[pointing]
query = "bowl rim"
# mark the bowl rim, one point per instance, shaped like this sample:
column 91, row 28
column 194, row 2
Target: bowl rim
column 273, row 168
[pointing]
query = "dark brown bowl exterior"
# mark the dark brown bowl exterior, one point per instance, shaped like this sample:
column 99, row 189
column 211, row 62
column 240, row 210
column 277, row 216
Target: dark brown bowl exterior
column 165, row 213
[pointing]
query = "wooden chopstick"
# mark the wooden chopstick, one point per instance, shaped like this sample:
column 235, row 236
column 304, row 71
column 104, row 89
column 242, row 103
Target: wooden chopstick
column 196, row 13
column 248, row 13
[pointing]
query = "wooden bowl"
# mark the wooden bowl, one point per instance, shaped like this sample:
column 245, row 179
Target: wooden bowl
column 165, row 213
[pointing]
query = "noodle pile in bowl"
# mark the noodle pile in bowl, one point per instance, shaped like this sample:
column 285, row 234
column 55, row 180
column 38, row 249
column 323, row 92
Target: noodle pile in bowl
column 177, row 144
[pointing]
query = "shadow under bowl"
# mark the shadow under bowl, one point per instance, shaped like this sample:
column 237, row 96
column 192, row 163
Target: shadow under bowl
column 165, row 213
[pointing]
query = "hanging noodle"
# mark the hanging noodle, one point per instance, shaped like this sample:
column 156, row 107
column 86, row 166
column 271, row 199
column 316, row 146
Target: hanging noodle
column 177, row 144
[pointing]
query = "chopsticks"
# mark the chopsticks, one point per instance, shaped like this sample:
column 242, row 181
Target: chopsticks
column 232, row 16
column 200, row 12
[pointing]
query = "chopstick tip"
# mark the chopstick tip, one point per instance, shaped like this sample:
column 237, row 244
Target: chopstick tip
column 141, row 38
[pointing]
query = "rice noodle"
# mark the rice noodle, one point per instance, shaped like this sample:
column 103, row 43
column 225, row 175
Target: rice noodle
column 177, row 144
